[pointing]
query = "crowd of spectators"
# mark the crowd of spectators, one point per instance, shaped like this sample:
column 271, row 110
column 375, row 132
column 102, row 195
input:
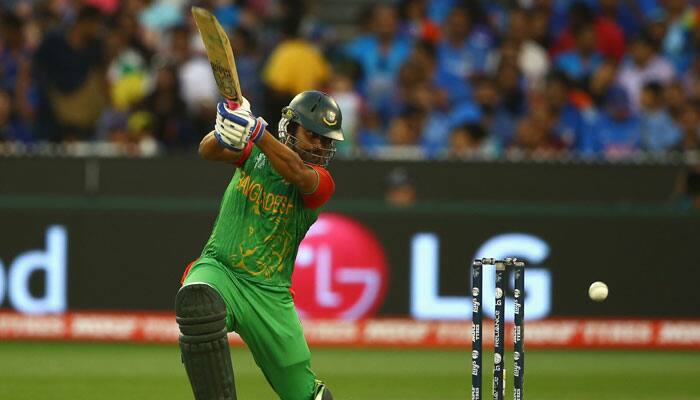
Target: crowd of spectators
column 423, row 78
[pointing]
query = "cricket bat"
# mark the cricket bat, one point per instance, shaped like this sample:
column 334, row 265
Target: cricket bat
column 219, row 53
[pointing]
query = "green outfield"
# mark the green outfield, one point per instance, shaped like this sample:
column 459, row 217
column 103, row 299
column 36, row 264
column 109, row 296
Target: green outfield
column 117, row 371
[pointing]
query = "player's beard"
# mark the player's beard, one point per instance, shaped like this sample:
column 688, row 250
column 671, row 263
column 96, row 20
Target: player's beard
column 286, row 133
column 320, row 156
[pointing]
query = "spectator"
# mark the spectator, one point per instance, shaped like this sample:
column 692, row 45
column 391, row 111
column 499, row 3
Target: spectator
column 294, row 66
column 568, row 121
column 139, row 139
column 42, row 17
column 179, row 48
column 70, row 73
column 371, row 135
column 126, row 71
column 401, row 190
column 510, row 86
column 127, row 23
column 677, row 44
column 674, row 96
column 415, row 22
column 615, row 132
column 416, row 121
column 507, row 53
column 689, row 123
column 12, row 128
column 581, row 61
column 487, row 109
column 533, row 139
column 168, row 111
column 488, row 67
column 540, row 25
column 404, row 136
column 112, row 126
column 656, row 26
column 197, row 82
column 602, row 80
column 657, row 129
column 434, row 134
column 342, row 88
column 558, row 15
column 465, row 48
column 248, row 64
column 644, row 65
column 128, row 81
column 470, row 141
column 401, row 133
column 419, row 94
column 609, row 38
column 691, row 80
column 532, row 58
column 424, row 56
column 15, row 63
column 420, row 69
column 228, row 14
column 626, row 14
column 438, row 10
column 380, row 53
column 157, row 17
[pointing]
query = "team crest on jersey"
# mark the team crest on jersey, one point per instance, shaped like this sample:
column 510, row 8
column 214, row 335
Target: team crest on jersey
column 259, row 161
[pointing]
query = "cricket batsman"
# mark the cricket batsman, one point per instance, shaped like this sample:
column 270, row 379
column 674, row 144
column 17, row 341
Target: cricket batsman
column 241, row 281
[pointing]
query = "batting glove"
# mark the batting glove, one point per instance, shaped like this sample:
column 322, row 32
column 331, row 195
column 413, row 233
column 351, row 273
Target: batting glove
column 235, row 128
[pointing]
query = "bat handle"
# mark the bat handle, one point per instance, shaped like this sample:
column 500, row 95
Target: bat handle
column 232, row 105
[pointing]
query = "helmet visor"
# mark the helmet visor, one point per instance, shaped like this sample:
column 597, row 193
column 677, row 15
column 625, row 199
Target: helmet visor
column 310, row 153
column 320, row 154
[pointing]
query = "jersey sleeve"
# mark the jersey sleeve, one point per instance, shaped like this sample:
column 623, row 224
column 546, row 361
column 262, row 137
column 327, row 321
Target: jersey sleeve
column 324, row 190
column 246, row 153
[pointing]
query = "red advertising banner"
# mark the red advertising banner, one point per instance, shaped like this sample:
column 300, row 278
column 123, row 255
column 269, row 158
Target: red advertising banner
column 549, row 333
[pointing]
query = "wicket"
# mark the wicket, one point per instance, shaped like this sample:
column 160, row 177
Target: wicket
column 499, row 372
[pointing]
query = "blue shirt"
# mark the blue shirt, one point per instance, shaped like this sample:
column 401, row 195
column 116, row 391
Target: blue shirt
column 380, row 69
column 575, row 66
column 371, row 140
column 658, row 131
column 16, row 131
column 366, row 50
column 678, row 45
column 559, row 16
column 438, row 10
column 609, row 136
column 468, row 58
column 9, row 68
column 457, row 89
column 570, row 126
column 435, row 137
column 500, row 125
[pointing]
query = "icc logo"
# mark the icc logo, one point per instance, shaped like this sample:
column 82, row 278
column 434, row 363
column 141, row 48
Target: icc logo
column 340, row 270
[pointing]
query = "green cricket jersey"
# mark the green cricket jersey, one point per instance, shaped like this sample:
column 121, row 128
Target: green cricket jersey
column 261, row 222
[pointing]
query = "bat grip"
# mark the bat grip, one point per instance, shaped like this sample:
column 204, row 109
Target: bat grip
column 232, row 105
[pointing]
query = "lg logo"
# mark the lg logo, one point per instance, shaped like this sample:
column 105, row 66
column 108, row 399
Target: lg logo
column 340, row 270
column 53, row 261
column 426, row 302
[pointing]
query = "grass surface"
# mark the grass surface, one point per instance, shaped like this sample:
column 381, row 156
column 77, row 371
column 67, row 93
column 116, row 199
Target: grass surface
column 60, row 371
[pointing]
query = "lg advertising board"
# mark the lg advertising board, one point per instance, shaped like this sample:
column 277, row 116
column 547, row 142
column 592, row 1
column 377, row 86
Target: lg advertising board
column 359, row 265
